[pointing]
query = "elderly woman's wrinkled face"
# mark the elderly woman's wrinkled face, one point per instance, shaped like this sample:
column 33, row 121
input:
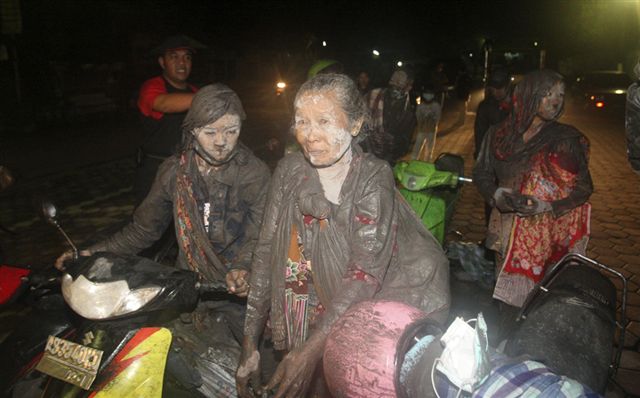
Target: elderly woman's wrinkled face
column 552, row 102
column 219, row 139
column 322, row 127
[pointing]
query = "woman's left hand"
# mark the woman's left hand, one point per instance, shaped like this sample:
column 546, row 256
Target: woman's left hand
column 295, row 372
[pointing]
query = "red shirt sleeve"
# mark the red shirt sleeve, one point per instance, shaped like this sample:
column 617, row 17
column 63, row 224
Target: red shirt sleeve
column 148, row 93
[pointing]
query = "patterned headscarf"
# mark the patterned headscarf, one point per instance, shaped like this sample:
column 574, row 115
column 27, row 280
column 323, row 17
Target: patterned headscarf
column 525, row 103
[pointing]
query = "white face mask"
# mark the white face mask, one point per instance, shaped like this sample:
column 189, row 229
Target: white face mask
column 465, row 359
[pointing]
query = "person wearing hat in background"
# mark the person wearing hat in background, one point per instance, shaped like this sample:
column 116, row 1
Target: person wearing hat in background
column 324, row 66
column 393, row 117
column 163, row 102
column 494, row 108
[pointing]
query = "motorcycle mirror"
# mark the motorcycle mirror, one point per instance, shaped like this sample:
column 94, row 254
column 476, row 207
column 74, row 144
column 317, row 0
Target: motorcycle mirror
column 50, row 213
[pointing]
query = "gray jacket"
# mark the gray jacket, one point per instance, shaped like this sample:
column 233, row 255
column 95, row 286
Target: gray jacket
column 236, row 193
column 372, row 246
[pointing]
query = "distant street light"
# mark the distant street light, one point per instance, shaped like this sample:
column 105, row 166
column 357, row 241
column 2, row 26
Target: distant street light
column 535, row 44
column 324, row 43
column 399, row 63
column 470, row 55
column 376, row 53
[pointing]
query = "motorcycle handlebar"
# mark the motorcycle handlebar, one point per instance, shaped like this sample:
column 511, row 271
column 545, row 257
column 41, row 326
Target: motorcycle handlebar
column 211, row 287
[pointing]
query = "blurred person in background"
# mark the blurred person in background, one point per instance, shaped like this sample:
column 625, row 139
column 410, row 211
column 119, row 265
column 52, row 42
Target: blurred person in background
column 632, row 121
column 393, row 117
column 363, row 80
column 428, row 115
column 493, row 109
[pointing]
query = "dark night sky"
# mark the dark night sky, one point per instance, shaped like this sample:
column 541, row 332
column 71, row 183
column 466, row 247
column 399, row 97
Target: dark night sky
column 588, row 33
column 75, row 28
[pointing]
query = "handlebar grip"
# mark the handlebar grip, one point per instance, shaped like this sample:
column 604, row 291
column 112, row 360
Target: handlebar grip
column 212, row 287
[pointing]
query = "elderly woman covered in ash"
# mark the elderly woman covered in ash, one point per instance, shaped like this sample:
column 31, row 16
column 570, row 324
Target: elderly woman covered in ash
column 335, row 232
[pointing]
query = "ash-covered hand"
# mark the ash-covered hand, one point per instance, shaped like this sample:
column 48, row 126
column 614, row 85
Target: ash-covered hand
column 533, row 206
column 238, row 282
column 505, row 200
column 248, row 381
column 294, row 374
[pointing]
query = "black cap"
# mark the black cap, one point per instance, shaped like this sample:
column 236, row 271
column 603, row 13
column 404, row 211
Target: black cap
column 499, row 78
column 178, row 42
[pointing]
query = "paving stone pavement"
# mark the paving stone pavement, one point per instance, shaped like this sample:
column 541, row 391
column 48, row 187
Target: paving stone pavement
column 89, row 200
column 95, row 197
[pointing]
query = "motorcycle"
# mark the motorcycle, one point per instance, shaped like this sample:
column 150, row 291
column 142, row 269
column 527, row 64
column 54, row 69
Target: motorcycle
column 431, row 189
column 111, row 325
column 568, row 323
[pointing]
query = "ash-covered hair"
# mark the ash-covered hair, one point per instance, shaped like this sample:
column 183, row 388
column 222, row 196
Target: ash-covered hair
column 526, row 100
column 349, row 98
column 209, row 104
column 528, row 95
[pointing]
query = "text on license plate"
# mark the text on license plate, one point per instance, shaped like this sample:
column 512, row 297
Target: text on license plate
column 71, row 362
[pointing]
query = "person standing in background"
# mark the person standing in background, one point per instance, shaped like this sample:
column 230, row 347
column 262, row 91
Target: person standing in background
column 163, row 103
column 428, row 115
column 493, row 109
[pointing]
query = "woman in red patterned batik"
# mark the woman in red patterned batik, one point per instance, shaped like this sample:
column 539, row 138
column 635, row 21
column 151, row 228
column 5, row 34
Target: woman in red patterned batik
column 534, row 172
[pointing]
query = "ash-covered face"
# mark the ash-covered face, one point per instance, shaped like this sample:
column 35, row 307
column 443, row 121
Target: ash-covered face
column 551, row 104
column 322, row 128
column 219, row 139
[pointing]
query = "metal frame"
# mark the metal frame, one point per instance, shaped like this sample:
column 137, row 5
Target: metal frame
column 550, row 276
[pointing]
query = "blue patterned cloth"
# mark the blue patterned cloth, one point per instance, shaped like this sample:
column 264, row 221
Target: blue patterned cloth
column 531, row 379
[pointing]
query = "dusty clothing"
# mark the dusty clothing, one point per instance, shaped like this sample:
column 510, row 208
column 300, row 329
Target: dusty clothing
column 632, row 126
column 235, row 194
column 490, row 112
column 371, row 245
column 394, row 120
column 552, row 166
column 206, row 347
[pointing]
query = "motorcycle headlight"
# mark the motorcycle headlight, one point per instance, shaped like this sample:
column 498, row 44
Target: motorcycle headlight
column 93, row 300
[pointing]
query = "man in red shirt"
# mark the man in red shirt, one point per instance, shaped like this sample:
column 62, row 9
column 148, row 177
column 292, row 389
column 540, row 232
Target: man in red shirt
column 163, row 103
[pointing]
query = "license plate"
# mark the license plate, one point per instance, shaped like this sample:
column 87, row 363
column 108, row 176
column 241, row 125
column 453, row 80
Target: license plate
column 74, row 363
